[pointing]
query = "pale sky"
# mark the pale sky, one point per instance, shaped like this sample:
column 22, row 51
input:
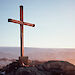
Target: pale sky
column 54, row 20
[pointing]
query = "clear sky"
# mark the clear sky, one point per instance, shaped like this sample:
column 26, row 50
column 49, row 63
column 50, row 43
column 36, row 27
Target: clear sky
column 54, row 19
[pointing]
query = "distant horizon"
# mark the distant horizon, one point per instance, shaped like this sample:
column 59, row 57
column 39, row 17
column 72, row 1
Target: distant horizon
column 42, row 54
column 39, row 47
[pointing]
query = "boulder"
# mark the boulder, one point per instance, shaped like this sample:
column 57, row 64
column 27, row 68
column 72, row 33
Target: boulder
column 46, row 68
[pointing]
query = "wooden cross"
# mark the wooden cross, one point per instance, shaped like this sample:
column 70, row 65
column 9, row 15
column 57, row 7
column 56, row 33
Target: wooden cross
column 21, row 28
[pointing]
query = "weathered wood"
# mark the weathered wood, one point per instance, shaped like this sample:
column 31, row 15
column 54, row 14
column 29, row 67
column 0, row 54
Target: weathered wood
column 21, row 29
column 20, row 22
column 21, row 32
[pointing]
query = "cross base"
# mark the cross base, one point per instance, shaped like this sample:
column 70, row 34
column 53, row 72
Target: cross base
column 23, row 60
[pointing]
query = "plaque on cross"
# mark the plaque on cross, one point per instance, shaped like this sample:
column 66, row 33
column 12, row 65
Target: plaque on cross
column 21, row 29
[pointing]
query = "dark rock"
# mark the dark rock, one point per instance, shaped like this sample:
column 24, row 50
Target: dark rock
column 29, row 71
column 47, row 68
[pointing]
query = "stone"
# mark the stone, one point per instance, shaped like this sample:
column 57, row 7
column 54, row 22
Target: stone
column 24, row 60
column 47, row 68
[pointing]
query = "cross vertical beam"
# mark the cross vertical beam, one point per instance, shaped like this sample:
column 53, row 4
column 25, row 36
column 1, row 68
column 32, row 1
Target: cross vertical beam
column 21, row 32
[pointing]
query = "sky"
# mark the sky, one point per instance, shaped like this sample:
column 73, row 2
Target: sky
column 54, row 20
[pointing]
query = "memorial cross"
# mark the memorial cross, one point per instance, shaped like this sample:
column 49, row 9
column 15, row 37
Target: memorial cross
column 21, row 29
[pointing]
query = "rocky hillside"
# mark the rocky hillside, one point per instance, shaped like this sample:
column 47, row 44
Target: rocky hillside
column 45, row 68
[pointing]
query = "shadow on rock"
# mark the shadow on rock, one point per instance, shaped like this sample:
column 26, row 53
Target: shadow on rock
column 46, row 68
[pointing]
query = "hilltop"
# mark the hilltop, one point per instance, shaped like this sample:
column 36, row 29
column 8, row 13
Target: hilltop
column 40, row 68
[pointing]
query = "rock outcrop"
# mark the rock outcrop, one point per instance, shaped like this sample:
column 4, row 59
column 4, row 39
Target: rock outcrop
column 46, row 68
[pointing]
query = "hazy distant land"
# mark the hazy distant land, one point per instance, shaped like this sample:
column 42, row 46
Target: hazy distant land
column 41, row 54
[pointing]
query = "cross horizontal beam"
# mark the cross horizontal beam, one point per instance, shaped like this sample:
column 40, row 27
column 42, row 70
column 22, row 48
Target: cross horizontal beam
column 20, row 22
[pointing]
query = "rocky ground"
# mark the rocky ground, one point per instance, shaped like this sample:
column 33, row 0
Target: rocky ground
column 40, row 68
